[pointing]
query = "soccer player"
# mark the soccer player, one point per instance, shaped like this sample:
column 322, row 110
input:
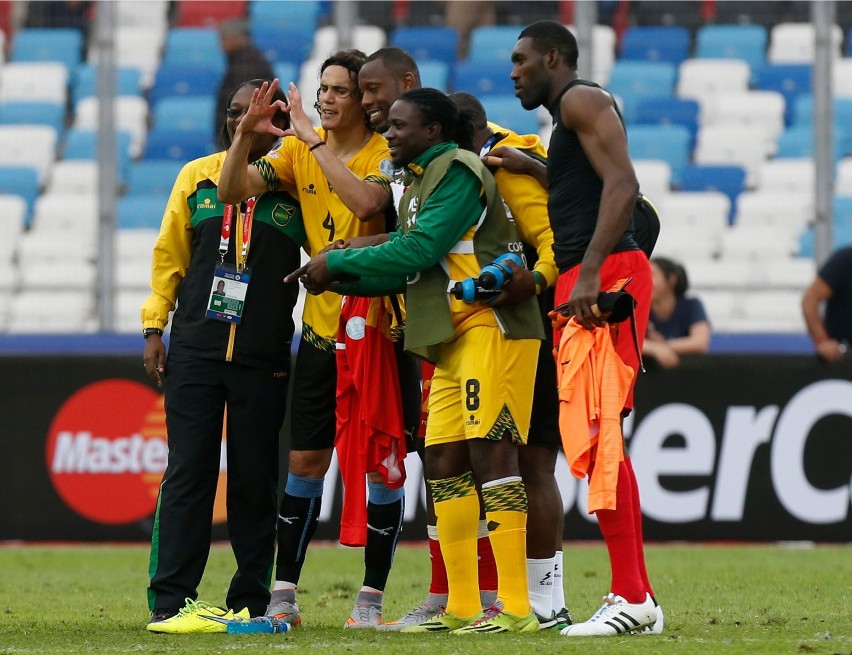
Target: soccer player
column 593, row 191
column 451, row 223
column 336, row 172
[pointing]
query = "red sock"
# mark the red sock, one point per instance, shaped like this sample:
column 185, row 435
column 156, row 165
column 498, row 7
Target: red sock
column 619, row 532
column 487, row 565
column 439, row 584
column 637, row 520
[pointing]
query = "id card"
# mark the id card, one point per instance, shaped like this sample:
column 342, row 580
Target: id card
column 228, row 294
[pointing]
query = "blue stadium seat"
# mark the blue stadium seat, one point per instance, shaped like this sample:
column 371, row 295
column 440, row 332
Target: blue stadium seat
column 285, row 14
column 83, row 144
column 842, row 236
column 667, row 142
column 634, row 81
column 493, row 43
column 729, row 180
column 484, row 78
column 34, row 113
column 194, row 46
column 747, row 42
column 507, row 112
column 427, row 43
column 668, row 111
column 434, row 74
column 803, row 111
column 152, row 177
column 276, row 44
column 186, row 113
column 179, row 146
column 64, row 45
column 20, row 181
column 669, row 43
column 84, row 82
column 286, row 72
column 140, row 212
column 179, row 80
column 790, row 80
column 842, row 206
column 798, row 141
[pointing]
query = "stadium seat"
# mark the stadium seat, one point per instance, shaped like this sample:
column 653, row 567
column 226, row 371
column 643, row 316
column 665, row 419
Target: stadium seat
column 669, row 143
column 791, row 210
column 434, row 74
column 700, row 211
column 194, row 46
column 773, row 311
column 705, row 78
column 21, row 181
column 493, row 43
column 191, row 13
column 152, row 177
column 35, row 311
column 790, row 80
column 179, row 80
column 33, row 113
column 367, row 38
column 34, row 82
column 634, row 81
column 803, row 112
column 484, row 78
column 185, row 113
column 128, row 300
column 84, row 82
column 177, row 145
column 729, row 180
column 66, row 212
column 789, row 272
column 757, row 110
column 82, row 144
column 507, row 112
column 799, row 142
column 74, row 176
column 28, row 145
column 13, row 214
column 788, row 174
column 291, row 45
column 63, row 45
column 665, row 43
column 428, row 43
column 842, row 209
column 733, row 145
column 284, row 14
column 140, row 211
column 843, row 177
column 668, row 111
column 747, row 42
column 148, row 13
column 130, row 114
column 57, row 276
column 759, row 242
column 137, row 47
column 841, row 77
column 654, row 177
column 795, row 43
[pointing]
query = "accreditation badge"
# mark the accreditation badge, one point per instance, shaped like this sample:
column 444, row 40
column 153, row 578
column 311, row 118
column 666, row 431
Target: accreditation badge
column 228, row 293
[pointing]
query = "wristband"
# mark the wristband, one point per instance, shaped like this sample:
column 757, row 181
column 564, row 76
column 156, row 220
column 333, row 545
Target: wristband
column 540, row 282
column 147, row 332
column 317, row 145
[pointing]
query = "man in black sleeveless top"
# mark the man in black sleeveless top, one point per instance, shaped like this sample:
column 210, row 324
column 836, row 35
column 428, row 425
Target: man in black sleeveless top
column 593, row 192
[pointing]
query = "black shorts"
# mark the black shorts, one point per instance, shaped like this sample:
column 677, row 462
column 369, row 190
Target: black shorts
column 408, row 369
column 544, row 421
column 313, row 421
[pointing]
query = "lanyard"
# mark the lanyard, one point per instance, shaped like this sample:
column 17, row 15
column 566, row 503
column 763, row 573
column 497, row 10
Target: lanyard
column 225, row 238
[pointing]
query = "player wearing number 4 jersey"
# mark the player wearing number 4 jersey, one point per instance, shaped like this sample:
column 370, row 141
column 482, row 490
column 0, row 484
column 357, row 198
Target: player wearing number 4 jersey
column 336, row 171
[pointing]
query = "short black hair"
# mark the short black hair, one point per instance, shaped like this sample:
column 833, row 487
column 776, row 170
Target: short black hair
column 224, row 139
column 396, row 59
column 470, row 107
column 436, row 107
column 670, row 267
column 547, row 35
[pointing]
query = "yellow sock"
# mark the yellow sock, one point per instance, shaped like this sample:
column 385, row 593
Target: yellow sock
column 505, row 503
column 457, row 511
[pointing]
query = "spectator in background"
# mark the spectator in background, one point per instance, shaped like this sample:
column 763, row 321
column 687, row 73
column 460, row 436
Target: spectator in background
column 245, row 61
column 678, row 324
column 832, row 331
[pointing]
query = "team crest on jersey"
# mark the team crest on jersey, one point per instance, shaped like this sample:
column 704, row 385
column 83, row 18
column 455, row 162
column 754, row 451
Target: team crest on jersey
column 355, row 328
column 282, row 214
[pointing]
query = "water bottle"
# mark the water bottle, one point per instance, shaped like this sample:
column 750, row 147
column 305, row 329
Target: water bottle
column 258, row 625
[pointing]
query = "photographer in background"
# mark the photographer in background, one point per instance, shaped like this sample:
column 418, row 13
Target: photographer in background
column 832, row 331
column 678, row 324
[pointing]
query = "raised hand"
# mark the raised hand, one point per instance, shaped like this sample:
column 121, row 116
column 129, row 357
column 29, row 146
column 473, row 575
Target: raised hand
column 300, row 124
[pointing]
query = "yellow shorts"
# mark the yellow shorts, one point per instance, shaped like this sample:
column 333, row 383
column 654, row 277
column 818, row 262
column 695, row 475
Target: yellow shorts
column 483, row 386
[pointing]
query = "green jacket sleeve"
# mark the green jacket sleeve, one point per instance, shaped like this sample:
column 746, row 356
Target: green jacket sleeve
column 443, row 219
